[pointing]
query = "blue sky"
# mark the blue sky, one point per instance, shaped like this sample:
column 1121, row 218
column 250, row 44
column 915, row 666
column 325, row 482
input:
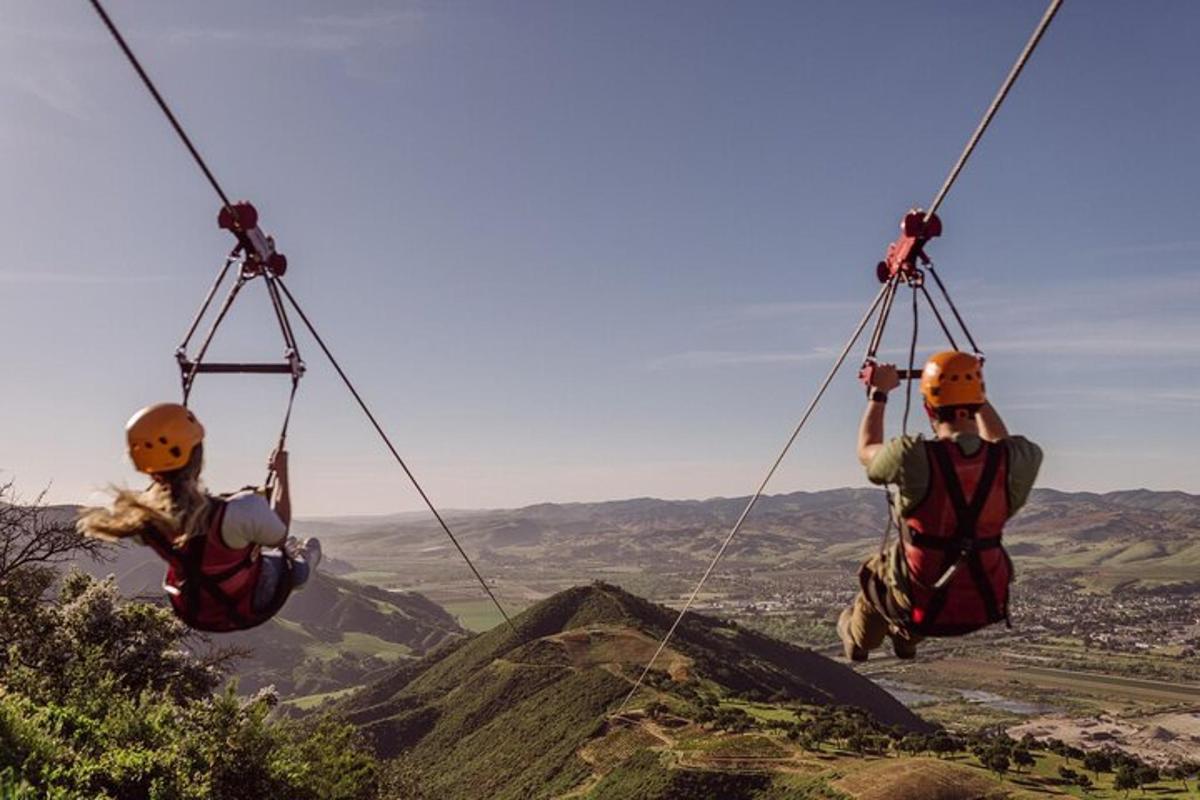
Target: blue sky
column 577, row 251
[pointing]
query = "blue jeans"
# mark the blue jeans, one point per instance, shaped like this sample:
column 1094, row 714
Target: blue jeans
column 272, row 572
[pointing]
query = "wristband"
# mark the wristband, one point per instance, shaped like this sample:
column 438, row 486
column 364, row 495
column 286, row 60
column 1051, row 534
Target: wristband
column 878, row 396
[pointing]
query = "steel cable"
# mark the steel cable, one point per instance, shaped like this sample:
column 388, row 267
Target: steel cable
column 162, row 104
column 885, row 289
column 997, row 101
column 392, row 448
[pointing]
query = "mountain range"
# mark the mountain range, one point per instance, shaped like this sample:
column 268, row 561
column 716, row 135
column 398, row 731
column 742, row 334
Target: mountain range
column 1067, row 529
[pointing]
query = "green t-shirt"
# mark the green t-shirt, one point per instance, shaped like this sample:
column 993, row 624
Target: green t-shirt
column 904, row 463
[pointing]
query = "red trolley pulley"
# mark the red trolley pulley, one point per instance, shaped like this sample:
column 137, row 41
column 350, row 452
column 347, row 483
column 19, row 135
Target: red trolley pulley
column 916, row 229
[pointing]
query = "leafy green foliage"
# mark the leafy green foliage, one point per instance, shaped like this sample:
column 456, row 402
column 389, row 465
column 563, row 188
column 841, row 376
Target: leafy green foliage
column 645, row 777
column 102, row 699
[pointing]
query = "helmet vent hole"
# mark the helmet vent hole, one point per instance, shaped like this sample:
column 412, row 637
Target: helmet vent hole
column 175, row 451
column 162, row 440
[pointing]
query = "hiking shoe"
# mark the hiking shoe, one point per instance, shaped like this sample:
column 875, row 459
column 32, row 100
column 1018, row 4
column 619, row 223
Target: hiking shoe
column 312, row 553
column 904, row 648
column 291, row 548
column 853, row 652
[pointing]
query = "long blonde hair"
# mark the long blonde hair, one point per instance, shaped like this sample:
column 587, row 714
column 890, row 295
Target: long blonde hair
column 175, row 505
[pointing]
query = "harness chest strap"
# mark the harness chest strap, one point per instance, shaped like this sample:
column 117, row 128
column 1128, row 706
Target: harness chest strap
column 964, row 546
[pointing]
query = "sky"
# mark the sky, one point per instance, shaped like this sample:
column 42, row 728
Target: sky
column 582, row 251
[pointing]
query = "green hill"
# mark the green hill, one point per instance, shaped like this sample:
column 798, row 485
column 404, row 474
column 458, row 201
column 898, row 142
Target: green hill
column 504, row 715
column 336, row 633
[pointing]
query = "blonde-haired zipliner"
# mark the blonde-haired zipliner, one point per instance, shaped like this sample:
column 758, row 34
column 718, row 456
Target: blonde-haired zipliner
column 175, row 505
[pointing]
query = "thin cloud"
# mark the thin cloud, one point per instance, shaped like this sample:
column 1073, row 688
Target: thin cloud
column 706, row 359
column 1185, row 343
column 75, row 278
column 789, row 309
column 1149, row 248
column 1103, row 398
column 333, row 33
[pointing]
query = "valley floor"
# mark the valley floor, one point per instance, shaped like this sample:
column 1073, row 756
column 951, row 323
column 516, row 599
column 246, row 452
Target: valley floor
column 791, row 771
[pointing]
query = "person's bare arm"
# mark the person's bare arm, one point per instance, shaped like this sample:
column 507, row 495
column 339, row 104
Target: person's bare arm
column 281, row 498
column 870, row 431
column 991, row 427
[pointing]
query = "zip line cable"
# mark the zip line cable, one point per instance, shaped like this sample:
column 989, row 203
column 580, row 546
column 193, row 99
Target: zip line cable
column 886, row 289
column 887, row 296
column 162, row 104
column 277, row 303
column 395, row 454
column 997, row 101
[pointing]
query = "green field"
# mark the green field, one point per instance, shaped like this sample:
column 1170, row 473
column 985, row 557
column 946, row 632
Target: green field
column 475, row 615
column 313, row 700
column 367, row 645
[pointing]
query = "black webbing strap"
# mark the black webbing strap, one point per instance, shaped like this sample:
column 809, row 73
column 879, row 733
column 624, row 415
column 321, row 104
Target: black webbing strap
column 927, row 542
column 211, row 584
column 269, row 482
column 964, row 545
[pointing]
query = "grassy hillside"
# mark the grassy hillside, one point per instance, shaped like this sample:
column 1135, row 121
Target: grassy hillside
column 505, row 714
column 335, row 633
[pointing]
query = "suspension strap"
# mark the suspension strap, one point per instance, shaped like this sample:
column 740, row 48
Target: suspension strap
column 953, row 308
column 255, row 258
column 907, row 262
column 941, row 322
column 912, row 360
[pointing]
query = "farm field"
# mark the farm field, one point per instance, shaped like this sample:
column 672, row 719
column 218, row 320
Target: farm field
column 1101, row 687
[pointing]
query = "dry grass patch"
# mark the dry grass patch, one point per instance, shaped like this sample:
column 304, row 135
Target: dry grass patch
column 921, row 779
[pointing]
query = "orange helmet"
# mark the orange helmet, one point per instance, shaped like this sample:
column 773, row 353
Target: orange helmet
column 162, row 437
column 953, row 378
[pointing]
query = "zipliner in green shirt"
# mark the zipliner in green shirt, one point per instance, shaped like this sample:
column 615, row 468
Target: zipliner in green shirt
column 903, row 463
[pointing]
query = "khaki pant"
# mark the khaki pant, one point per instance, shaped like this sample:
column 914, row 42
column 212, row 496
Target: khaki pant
column 867, row 626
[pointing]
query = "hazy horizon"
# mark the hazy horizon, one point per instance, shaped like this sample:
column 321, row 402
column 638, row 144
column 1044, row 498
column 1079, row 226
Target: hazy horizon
column 450, row 510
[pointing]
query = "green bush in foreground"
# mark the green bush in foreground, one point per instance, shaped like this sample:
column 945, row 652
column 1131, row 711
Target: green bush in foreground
column 107, row 702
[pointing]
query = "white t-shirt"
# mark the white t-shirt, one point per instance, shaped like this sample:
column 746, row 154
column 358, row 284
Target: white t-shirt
column 249, row 520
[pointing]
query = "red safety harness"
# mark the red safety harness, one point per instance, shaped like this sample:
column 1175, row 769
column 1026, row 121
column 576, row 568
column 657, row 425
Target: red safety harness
column 957, row 569
column 211, row 586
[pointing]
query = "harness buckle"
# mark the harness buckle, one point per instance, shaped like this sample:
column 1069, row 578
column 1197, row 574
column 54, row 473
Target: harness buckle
column 948, row 575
